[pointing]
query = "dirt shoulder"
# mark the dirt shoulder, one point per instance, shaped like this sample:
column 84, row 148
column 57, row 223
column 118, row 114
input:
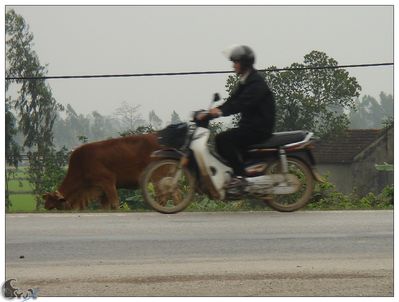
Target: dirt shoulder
column 211, row 278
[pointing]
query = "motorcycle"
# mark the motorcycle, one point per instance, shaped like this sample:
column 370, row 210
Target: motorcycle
column 280, row 171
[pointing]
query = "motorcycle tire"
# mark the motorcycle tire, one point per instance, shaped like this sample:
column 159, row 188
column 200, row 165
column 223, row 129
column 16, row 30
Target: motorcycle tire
column 299, row 199
column 159, row 191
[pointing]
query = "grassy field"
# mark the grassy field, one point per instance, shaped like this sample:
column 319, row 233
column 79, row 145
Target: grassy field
column 18, row 183
column 325, row 198
column 22, row 203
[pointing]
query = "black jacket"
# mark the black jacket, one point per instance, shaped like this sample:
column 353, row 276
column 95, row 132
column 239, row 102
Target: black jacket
column 255, row 101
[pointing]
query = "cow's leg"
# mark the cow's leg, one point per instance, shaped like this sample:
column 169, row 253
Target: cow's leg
column 84, row 203
column 81, row 201
column 109, row 189
column 75, row 204
column 105, row 204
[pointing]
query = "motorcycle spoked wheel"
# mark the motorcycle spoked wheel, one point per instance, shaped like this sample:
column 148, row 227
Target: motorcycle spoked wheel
column 297, row 200
column 159, row 191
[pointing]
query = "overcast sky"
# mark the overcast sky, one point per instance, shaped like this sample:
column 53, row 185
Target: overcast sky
column 76, row 40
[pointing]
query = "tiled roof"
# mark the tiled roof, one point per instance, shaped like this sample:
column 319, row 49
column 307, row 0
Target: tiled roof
column 344, row 148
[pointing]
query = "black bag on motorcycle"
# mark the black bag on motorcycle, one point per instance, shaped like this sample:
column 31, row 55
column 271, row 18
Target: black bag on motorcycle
column 173, row 136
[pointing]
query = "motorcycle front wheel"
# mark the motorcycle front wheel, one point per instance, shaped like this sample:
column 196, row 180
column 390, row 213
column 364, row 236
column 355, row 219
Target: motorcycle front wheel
column 297, row 200
column 166, row 187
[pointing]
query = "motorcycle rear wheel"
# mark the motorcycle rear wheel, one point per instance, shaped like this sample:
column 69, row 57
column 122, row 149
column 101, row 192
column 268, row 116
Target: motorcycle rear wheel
column 161, row 193
column 297, row 200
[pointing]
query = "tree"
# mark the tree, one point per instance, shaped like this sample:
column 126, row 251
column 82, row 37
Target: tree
column 154, row 120
column 67, row 130
column 129, row 116
column 175, row 118
column 98, row 127
column 35, row 106
column 312, row 99
column 369, row 113
column 49, row 172
column 75, row 129
column 12, row 149
column 357, row 116
column 102, row 127
column 386, row 102
column 79, row 125
column 139, row 130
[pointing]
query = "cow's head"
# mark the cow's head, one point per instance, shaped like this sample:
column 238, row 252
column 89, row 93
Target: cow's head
column 55, row 200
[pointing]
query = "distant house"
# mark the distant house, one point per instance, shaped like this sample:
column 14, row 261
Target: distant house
column 350, row 159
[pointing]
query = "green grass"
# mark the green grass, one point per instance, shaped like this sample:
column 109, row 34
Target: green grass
column 22, row 203
column 325, row 198
column 19, row 185
column 20, row 172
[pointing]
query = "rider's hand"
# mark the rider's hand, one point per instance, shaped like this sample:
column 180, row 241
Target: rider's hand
column 215, row 112
column 201, row 116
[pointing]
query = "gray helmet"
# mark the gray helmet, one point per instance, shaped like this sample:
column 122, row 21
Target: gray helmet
column 242, row 54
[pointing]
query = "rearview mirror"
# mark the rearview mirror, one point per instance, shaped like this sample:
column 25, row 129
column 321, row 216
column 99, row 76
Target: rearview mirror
column 216, row 97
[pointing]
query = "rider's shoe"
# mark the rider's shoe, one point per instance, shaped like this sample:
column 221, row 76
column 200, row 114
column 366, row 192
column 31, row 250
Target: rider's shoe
column 237, row 181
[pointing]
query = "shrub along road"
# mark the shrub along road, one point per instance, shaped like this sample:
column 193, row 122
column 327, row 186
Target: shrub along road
column 306, row 253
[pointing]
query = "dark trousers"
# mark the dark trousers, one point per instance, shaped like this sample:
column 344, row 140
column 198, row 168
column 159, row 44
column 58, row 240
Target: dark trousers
column 231, row 143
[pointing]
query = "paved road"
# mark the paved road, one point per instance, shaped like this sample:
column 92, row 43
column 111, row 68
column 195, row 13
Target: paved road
column 340, row 253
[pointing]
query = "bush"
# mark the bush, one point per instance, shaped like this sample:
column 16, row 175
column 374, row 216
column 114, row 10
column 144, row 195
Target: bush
column 327, row 197
column 132, row 200
column 203, row 203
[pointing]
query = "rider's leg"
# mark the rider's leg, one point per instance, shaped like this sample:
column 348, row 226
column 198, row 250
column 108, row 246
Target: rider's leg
column 229, row 145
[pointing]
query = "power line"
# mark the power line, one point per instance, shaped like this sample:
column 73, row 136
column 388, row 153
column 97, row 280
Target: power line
column 193, row 72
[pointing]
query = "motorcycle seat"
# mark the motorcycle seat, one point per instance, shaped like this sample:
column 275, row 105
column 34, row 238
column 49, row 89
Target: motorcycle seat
column 280, row 139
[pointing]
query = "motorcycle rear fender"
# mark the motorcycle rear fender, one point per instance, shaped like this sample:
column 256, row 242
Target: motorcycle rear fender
column 304, row 155
column 167, row 154
column 307, row 157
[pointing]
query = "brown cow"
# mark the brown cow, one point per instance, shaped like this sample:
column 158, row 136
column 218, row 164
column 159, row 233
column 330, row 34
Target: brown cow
column 97, row 169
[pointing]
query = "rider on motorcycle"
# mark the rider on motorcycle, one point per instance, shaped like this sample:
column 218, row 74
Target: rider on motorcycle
column 253, row 99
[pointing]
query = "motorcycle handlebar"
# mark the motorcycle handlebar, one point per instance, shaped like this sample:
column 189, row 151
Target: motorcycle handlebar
column 203, row 122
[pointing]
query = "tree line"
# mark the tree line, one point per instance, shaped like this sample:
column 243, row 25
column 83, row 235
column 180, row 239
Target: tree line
column 72, row 129
column 325, row 101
